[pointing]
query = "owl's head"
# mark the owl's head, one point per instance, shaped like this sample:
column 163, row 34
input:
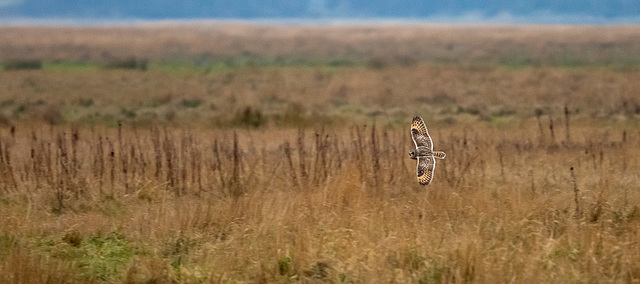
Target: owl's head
column 412, row 154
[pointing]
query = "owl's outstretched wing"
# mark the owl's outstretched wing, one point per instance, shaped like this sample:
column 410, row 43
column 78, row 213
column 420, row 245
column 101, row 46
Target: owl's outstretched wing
column 426, row 166
column 419, row 133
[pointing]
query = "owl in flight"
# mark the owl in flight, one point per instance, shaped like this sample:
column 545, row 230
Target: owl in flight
column 423, row 151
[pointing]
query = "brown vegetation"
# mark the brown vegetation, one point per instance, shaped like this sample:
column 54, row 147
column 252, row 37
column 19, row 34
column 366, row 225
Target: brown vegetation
column 301, row 173
column 555, row 45
column 307, row 96
column 184, row 205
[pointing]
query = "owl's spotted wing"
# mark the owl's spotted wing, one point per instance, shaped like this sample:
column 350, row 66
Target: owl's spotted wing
column 426, row 166
column 419, row 133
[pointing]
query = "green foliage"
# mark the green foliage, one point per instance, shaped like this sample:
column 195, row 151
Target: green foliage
column 129, row 63
column 502, row 112
column 70, row 66
column 342, row 277
column 191, row 103
column 294, row 115
column 102, row 257
column 20, row 108
column 341, row 63
column 129, row 114
column 520, row 60
column 7, row 242
column 177, row 252
column 105, row 256
column 160, row 101
column 85, row 102
column 377, row 63
column 249, row 117
column 23, row 65
column 8, row 102
column 285, row 266
column 73, row 238
column 434, row 272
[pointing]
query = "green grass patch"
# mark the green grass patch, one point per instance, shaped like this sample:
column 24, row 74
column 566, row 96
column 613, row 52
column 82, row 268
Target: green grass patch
column 217, row 64
column 101, row 257
column 7, row 242
column 70, row 66
column 178, row 66
column 191, row 103
column 520, row 61
column 23, row 65
column 129, row 63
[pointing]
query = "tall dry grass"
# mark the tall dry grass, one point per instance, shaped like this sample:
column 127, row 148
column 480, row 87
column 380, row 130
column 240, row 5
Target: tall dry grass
column 337, row 205
column 269, row 174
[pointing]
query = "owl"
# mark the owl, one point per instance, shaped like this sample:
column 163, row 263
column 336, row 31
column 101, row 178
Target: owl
column 423, row 151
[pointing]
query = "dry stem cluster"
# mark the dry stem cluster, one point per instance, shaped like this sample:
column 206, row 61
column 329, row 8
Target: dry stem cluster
column 334, row 204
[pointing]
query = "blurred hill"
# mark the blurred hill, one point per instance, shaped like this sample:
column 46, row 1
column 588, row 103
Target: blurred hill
column 573, row 11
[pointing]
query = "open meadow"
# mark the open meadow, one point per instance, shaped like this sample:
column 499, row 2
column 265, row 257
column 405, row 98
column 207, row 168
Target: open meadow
column 231, row 153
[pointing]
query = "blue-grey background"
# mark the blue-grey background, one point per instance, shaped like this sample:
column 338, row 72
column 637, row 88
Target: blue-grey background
column 499, row 11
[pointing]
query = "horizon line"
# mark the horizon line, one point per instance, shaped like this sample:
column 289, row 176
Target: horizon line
column 573, row 19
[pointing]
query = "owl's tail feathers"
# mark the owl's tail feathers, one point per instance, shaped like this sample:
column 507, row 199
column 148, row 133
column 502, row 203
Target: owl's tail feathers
column 439, row 154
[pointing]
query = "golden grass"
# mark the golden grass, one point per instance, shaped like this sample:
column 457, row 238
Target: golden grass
column 181, row 205
column 269, row 174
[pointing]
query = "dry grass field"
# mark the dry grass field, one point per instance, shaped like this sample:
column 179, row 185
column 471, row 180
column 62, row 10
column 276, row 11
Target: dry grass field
column 237, row 44
column 210, row 170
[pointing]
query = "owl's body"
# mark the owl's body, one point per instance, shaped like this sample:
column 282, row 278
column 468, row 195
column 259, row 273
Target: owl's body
column 423, row 151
